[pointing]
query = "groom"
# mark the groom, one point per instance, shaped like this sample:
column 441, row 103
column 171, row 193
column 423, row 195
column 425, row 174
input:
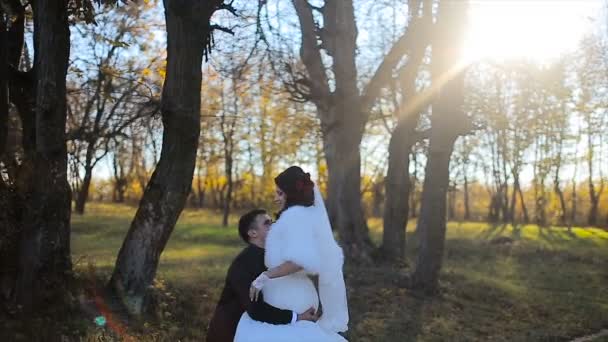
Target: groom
column 253, row 228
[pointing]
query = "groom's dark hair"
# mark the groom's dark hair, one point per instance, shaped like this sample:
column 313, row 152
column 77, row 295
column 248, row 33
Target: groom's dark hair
column 246, row 221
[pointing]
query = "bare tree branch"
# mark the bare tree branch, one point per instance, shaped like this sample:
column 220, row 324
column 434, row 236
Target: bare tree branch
column 418, row 34
column 310, row 54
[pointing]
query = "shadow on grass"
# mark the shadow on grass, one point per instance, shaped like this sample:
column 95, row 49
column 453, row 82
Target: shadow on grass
column 565, row 293
column 493, row 230
column 380, row 310
column 411, row 323
column 563, row 238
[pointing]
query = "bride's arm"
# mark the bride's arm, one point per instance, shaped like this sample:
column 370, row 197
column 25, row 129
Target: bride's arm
column 282, row 270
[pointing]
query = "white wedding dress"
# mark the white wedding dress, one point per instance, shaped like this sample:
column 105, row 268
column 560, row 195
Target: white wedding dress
column 303, row 236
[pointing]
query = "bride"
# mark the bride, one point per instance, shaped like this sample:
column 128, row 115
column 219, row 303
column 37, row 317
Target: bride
column 299, row 244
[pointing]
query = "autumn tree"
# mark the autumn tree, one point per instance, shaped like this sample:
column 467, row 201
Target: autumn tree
column 109, row 92
column 404, row 136
column 189, row 37
column 591, row 70
column 326, row 75
column 448, row 122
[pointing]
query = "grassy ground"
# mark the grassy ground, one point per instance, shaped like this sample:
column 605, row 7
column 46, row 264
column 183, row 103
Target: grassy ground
column 550, row 284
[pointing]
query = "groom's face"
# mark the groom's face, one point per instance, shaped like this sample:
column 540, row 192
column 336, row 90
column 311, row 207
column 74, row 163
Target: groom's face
column 260, row 228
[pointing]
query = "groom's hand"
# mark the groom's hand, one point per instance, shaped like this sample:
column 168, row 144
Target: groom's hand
column 308, row 315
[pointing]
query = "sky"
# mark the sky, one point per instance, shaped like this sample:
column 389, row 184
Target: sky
column 540, row 30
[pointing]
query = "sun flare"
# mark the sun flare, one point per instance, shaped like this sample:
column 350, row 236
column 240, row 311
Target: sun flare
column 538, row 30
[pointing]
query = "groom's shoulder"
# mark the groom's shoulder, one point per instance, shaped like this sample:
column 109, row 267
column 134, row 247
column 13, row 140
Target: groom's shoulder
column 239, row 261
column 245, row 254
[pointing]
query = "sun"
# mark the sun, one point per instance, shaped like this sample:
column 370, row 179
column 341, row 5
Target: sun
column 538, row 30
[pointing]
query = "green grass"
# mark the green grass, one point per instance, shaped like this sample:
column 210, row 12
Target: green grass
column 549, row 285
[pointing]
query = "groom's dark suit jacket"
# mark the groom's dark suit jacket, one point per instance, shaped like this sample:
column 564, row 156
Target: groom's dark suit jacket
column 235, row 298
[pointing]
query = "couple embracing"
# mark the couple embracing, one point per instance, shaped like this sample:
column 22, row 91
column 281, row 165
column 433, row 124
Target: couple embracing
column 269, row 295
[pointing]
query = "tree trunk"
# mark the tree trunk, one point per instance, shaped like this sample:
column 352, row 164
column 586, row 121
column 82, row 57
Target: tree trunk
column 414, row 203
column 593, row 209
column 120, row 191
column 448, row 121
column 169, row 186
column 83, row 193
column 514, row 196
column 397, row 188
column 11, row 201
column 541, row 203
column 451, row 202
column 200, row 193
column 45, row 242
column 524, row 209
column 574, row 199
column 562, row 201
column 432, row 221
column 4, row 69
column 341, row 145
column 467, row 209
column 493, row 210
column 229, row 187
column 377, row 198
column 8, row 221
column 594, row 199
column 504, row 201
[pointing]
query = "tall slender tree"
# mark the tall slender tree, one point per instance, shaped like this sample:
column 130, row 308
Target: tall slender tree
column 448, row 122
column 188, row 38
column 403, row 138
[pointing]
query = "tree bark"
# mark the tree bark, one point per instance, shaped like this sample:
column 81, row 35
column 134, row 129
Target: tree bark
column 397, row 188
column 168, row 189
column 560, row 196
column 120, row 179
column 432, row 220
column 4, row 69
column 83, row 193
column 403, row 138
column 594, row 193
column 228, row 131
column 593, row 209
column 512, row 212
column 229, row 190
column 414, row 203
column 200, row 186
column 448, row 121
column 451, row 202
column 574, row 198
column 524, row 209
column 11, row 200
column 377, row 197
column 341, row 147
column 467, row 208
column 45, row 242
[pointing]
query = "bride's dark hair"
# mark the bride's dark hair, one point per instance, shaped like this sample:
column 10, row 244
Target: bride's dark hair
column 297, row 186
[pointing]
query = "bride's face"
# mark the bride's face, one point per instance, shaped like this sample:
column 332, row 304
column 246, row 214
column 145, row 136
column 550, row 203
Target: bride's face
column 280, row 198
